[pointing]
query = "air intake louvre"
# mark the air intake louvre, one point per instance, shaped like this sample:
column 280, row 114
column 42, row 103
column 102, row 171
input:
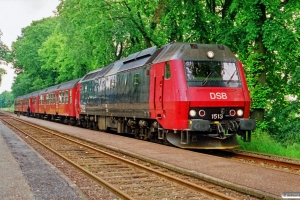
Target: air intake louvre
column 154, row 56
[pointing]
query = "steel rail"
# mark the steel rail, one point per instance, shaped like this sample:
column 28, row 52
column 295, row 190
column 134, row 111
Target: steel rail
column 190, row 185
column 110, row 187
column 269, row 159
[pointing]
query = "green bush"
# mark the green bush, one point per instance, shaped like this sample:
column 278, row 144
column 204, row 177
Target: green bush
column 262, row 142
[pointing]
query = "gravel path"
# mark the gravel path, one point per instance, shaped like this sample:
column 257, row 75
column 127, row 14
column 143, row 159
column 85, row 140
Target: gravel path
column 13, row 184
column 25, row 175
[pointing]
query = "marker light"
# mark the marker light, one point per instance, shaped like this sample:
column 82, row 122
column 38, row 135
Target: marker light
column 232, row 113
column 201, row 113
column 210, row 54
column 193, row 113
column 240, row 112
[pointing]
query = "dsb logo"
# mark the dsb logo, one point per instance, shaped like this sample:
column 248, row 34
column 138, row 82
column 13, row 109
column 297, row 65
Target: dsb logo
column 218, row 95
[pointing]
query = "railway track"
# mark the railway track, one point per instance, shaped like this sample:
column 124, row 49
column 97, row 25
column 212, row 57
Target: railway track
column 264, row 160
column 270, row 161
column 125, row 178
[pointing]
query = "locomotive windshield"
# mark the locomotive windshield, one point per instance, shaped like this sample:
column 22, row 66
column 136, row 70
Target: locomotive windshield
column 212, row 74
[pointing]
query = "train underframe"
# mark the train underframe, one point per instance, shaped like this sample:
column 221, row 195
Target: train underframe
column 217, row 136
column 51, row 117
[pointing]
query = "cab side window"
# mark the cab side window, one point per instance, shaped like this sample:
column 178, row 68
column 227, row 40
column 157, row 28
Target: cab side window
column 136, row 79
column 167, row 71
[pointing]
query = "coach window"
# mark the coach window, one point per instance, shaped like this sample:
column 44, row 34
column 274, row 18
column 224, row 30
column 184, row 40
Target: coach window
column 167, row 71
column 60, row 97
column 136, row 79
column 66, row 97
column 70, row 96
column 53, row 98
column 112, row 82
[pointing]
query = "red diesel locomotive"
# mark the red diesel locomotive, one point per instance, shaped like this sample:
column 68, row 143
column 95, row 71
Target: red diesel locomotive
column 193, row 96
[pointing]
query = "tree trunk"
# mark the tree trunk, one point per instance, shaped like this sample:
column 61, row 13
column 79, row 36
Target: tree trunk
column 258, row 113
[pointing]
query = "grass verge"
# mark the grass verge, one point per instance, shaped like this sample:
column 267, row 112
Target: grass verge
column 263, row 143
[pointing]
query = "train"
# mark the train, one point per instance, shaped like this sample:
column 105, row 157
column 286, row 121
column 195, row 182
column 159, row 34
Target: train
column 190, row 95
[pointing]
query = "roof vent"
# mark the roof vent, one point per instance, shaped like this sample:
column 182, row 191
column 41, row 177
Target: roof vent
column 194, row 46
column 221, row 47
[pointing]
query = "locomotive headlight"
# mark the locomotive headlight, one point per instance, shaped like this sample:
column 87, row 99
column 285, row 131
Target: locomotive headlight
column 210, row 54
column 240, row 112
column 193, row 113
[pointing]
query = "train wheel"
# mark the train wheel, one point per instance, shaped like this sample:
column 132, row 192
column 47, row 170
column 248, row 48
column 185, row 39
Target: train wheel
column 84, row 124
column 95, row 126
column 89, row 125
column 72, row 122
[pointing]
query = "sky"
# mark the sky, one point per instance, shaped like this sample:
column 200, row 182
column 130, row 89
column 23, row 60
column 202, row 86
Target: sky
column 15, row 15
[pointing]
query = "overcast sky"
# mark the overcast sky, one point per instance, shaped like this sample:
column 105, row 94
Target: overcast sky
column 18, row 14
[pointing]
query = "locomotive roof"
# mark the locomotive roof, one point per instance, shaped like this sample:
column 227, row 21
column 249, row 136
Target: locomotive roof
column 137, row 59
column 193, row 51
column 171, row 51
column 96, row 73
column 114, row 68
column 132, row 61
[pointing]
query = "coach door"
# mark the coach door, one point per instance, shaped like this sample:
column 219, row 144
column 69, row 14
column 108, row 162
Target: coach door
column 77, row 100
column 56, row 102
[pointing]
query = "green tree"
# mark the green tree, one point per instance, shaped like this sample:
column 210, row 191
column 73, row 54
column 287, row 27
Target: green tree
column 25, row 58
column 55, row 57
column 3, row 53
column 100, row 32
column 266, row 41
column 6, row 99
column 186, row 21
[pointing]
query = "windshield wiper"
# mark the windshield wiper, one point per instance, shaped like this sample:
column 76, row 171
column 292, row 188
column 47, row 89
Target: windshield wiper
column 231, row 77
column 206, row 79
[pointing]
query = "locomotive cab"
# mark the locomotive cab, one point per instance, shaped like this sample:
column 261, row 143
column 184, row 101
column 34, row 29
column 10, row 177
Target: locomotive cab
column 201, row 99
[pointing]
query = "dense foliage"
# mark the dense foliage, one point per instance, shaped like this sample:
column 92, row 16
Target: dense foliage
column 6, row 99
column 3, row 53
column 88, row 34
column 26, row 60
